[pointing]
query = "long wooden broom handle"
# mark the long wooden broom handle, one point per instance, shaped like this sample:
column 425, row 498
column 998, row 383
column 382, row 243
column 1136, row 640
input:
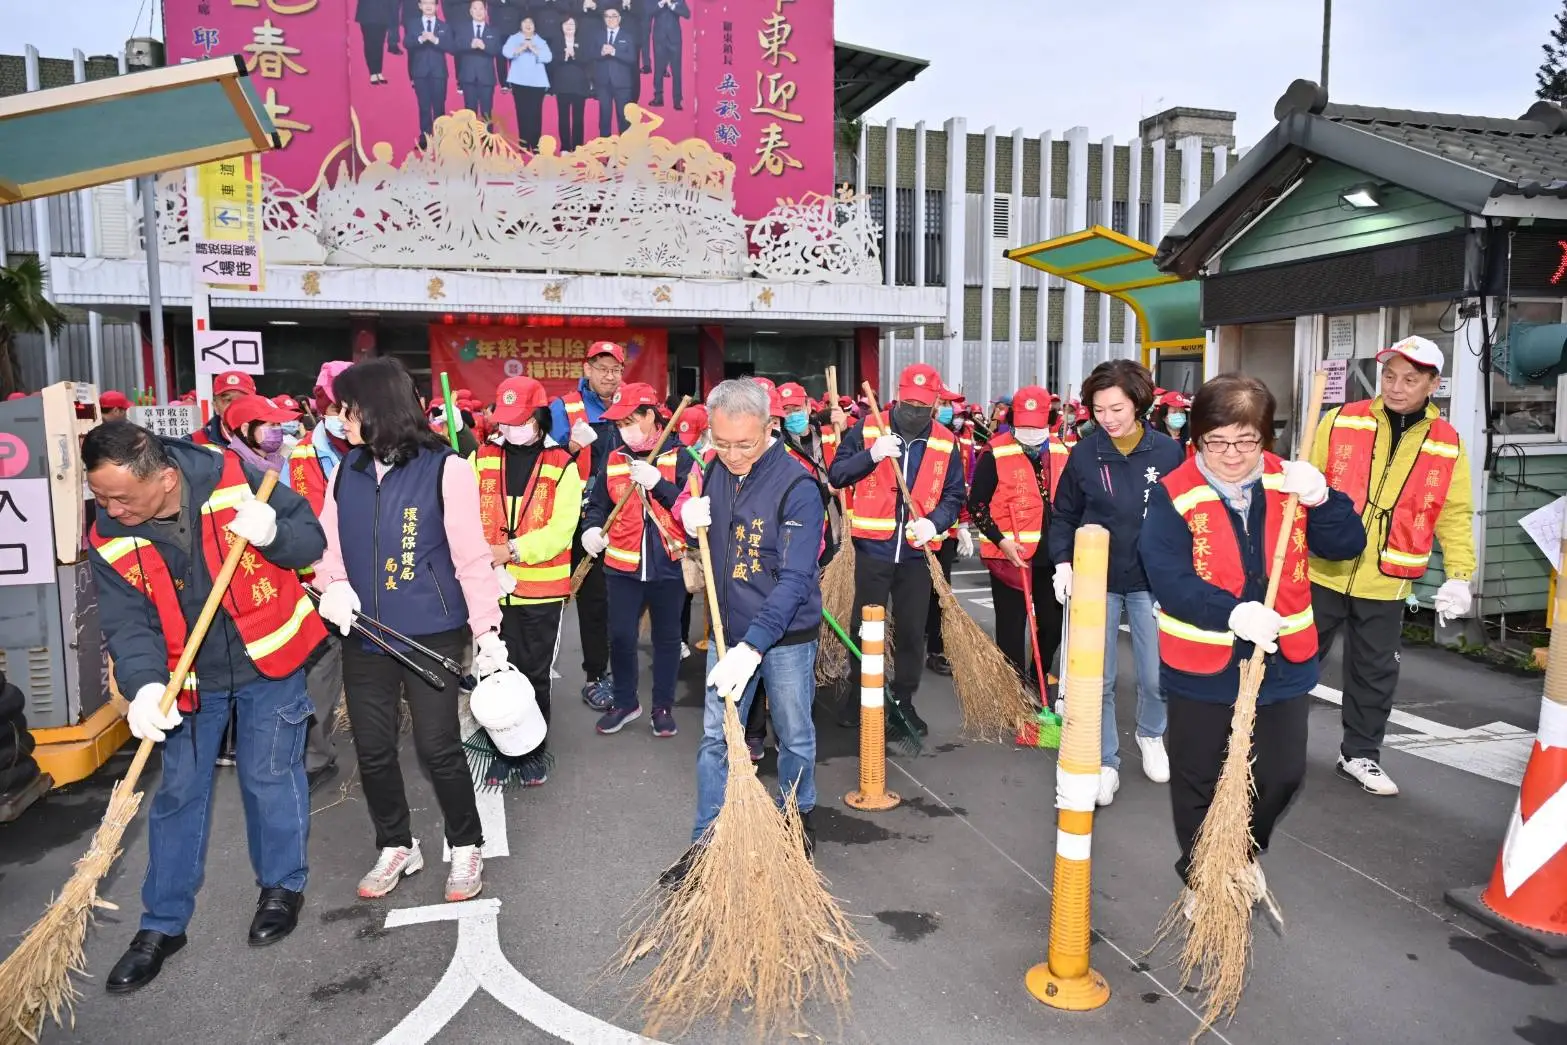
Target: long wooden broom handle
column 897, row 469
column 1305, row 446
column 198, row 632
column 658, row 448
column 832, row 404
column 712, row 590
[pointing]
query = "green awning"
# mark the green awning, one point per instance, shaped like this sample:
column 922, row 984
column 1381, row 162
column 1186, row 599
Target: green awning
column 101, row 131
column 1168, row 307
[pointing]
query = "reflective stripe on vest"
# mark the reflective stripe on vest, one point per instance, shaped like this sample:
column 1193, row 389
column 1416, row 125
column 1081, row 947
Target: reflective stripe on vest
column 149, row 574
column 535, row 581
column 577, row 410
column 306, row 477
column 625, row 537
column 1017, row 508
column 876, row 496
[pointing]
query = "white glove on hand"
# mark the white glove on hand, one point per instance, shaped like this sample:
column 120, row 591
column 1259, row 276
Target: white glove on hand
column 489, row 655
column 1303, row 479
column 1063, row 582
column 696, row 514
column 1255, row 623
column 645, row 475
column 583, row 434
column 339, row 603
column 594, row 542
column 920, row 532
column 886, row 446
column 254, row 521
column 505, row 581
column 730, row 675
column 1452, row 600
column 965, row 542
column 147, row 722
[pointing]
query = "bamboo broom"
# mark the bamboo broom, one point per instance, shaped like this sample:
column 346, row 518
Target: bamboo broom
column 752, row 923
column 832, row 660
column 1217, row 939
column 585, row 567
column 989, row 689
column 35, row 981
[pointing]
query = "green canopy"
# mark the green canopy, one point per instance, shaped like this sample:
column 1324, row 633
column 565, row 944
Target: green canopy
column 1168, row 308
column 101, row 131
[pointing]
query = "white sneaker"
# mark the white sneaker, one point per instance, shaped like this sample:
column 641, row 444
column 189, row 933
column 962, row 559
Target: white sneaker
column 1369, row 775
column 1109, row 784
column 1156, row 764
column 393, row 865
column 466, row 878
column 685, row 651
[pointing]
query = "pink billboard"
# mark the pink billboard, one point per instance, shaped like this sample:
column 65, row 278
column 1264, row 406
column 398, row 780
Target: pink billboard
column 752, row 78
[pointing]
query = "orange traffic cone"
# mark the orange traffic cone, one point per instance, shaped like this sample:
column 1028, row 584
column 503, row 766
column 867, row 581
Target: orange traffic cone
column 1527, row 897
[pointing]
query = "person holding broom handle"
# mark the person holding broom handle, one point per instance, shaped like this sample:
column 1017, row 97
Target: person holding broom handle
column 960, row 538
column 765, row 523
column 168, row 510
column 1206, row 545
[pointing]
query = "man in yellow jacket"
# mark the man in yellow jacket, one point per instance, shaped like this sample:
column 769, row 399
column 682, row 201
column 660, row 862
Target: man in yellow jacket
column 1405, row 468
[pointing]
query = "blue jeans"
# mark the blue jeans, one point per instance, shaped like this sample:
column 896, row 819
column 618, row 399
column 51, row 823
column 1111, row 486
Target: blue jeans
column 663, row 600
column 273, row 718
column 1145, row 658
column 790, row 673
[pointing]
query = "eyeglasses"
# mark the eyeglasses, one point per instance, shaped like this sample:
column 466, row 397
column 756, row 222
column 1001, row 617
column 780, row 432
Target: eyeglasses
column 736, row 448
column 606, row 371
column 1221, row 446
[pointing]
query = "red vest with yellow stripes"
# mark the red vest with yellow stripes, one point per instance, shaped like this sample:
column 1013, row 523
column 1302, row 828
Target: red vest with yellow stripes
column 875, row 513
column 1216, row 556
column 829, row 445
column 504, row 518
column 625, row 537
column 577, row 410
column 1017, row 506
column 272, row 613
column 1412, row 528
column 306, row 477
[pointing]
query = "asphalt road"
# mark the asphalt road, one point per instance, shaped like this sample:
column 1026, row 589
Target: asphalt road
column 951, row 890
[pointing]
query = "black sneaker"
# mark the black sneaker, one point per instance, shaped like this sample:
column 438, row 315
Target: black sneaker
column 676, row 873
column 913, row 717
column 810, row 834
column 939, row 664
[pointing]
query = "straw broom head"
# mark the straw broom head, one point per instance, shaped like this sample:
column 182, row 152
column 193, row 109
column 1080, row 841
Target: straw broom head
column 832, row 659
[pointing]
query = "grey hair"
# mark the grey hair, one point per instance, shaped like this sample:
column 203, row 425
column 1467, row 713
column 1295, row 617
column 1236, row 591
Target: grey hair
column 740, row 397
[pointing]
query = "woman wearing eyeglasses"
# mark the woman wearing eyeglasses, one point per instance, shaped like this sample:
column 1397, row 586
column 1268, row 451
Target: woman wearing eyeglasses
column 1207, row 545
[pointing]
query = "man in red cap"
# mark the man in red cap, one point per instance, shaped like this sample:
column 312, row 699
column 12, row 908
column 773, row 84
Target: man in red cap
column 577, row 422
column 226, row 387
column 959, row 541
column 113, row 406
column 889, row 540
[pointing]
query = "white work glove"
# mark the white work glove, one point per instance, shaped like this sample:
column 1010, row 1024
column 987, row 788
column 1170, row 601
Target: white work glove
column 965, row 542
column 730, row 675
column 583, row 434
column 696, row 514
column 1303, row 479
column 505, row 581
column 594, row 542
column 920, row 532
column 1063, row 582
column 338, row 605
column 886, row 446
column 147, row 722
column 645, row 475
column 255, row 521
column 489, row 655
column 1452, row 600
column 1255, row 623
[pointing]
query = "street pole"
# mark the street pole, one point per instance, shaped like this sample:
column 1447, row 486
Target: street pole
column 161, row 392
column 1327, row 38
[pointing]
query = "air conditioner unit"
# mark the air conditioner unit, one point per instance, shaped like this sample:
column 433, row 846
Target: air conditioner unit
column 1532, row 353
column 1002, row 217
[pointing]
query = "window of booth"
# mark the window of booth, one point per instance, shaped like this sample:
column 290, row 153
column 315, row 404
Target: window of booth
column 1436, row 321
column 1529, row 413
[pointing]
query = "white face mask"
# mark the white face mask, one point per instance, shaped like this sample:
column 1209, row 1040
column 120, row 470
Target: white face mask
column 525, row 434
column 1030, row 436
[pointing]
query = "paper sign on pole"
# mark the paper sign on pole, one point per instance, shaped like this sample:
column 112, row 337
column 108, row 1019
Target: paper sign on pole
column 1341, row 337
column 229, row 195
column 218, row 351
column 1544, row 526
column 1338, row 375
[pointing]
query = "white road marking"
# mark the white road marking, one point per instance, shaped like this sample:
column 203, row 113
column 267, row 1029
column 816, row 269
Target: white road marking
column 480, row 964
column 969, row 591
column 491, row 803
column 970, row 573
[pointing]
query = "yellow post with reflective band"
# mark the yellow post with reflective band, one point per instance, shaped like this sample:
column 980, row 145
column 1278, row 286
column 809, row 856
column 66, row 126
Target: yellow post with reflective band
column 1064, row 980
column 873, row 794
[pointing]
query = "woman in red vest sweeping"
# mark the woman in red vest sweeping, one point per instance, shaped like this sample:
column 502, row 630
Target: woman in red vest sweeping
column 1207, row 544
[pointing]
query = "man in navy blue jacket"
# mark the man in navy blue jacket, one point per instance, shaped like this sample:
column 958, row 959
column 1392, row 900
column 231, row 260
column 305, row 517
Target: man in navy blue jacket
column 765, row 522
column 889, row 564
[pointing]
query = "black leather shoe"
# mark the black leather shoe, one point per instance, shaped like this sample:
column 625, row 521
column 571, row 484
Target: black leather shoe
column 810, row 834
column 277, row 912
column 320, row 775
column 677, row 872
column 142, row 961
column 939, row 664
column 907, row 707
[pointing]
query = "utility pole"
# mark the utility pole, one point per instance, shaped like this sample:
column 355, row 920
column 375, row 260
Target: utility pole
column 1327, row 39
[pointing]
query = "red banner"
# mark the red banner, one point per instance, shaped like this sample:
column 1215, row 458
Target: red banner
column 480, row 357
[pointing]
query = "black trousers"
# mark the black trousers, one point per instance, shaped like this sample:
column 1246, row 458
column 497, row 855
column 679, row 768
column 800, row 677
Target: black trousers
column 375, row 46
column 1197, row 738
column 667, row 60
column 529, row 633
column 1012, row 619
column 570, row 111
column 480, row 97
column 1373, row 636
column 530, row 114
column 612, row 107
column 904, row 589
column 430, row 96
column 592, row 615
column 372, row 684
column 947, row 555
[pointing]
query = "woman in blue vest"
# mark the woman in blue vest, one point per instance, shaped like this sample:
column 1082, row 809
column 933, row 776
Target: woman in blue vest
column 405, row 545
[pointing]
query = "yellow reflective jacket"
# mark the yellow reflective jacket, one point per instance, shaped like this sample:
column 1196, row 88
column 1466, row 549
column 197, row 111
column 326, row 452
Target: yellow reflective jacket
column 1454, row 529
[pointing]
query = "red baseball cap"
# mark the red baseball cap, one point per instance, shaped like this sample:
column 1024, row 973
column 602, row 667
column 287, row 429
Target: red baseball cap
column 606, row 348
column 951, row 395
column 288, row 403
column 919, row 384
column 693, row 422
column 233, row 381
column 632, row 397
column 792, row 394
column 15, row 395
column 112, row 400
column 516, row 400
column 1177, row 399
column 1031, row 407
column 249, row 408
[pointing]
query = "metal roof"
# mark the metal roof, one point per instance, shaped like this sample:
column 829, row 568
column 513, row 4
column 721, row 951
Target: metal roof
column 100, row 131
column 863, row 77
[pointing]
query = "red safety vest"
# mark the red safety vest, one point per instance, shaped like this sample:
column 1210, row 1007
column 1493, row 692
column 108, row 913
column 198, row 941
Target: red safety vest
column 200, row 437
column 829, row 445
column 1412, row 528
column 306, row 477
column 1216, row 556
column 270, row 609
column 505, row 518
column 625, row 537
column 577, row 410
column 1017, row 507
column 876, row 496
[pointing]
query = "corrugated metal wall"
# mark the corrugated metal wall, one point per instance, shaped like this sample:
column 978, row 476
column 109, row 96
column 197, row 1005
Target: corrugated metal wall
column 120, row 343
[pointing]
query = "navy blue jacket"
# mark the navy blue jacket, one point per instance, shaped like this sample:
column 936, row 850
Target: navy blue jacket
column 656, row 563
column 1103, row 486
column 131, row 623
column 1333, row 531
column 778, row 506
column 853, row 463
column 608, row 434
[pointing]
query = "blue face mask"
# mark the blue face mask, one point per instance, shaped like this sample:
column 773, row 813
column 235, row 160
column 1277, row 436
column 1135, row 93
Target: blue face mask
column 796, row 423
column 336, row 427
column 1176, row 419
column 292, row 428
column 944, row 415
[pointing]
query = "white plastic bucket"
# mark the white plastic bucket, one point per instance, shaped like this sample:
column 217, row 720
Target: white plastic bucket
column 504, row 704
